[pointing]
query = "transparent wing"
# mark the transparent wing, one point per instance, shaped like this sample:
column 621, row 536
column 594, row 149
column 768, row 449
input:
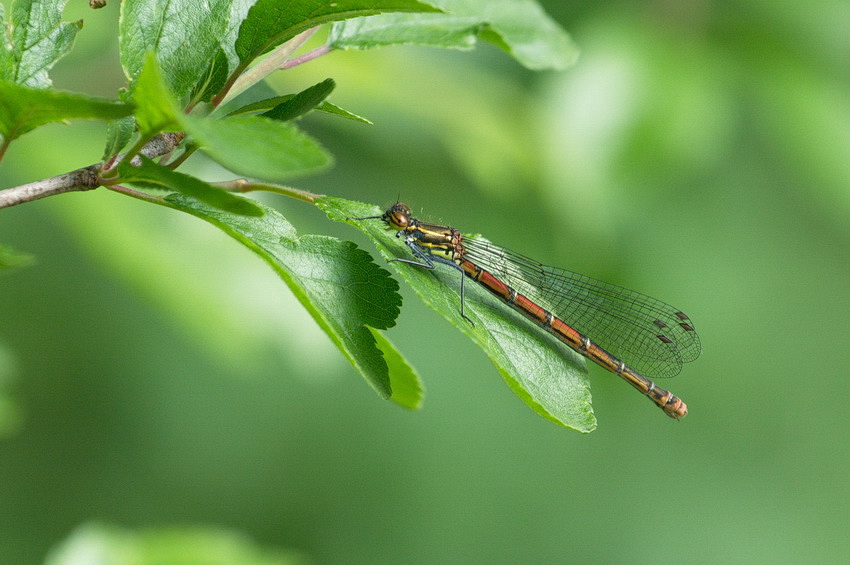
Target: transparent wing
column 652, row 337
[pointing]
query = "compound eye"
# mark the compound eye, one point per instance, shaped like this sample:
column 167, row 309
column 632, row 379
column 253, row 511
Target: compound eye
column 399, row 221
column 398, row 216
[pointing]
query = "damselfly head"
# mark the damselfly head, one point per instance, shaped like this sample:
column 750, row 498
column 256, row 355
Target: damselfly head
column 398, row 216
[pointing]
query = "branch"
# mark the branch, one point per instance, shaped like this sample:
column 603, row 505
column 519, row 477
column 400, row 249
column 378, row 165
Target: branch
column 87, row 178
column 81, row 179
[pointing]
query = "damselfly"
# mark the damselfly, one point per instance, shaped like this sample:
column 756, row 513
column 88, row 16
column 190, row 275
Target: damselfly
column 626, row 332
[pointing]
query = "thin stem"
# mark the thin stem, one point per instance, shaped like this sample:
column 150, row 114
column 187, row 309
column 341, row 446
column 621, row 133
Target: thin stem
column 306, row 57
column 135, row 193
column 180, row 159
column 4, row 146
column 244, row 185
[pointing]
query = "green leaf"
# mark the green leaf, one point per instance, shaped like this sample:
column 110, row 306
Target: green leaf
column 257, row 147
column 97, row 543
column 301, row 103
column 345, row 292
column 38, row 39
column 520, row 27
column 330, row 108
column 289, row 106
column 405, row 383
column 185, row 35
column 156, row 108
column 213, row 79
column 249, row 145
column 163, row 177
column 546, row 375
column 269, row 103
column 272, row 22
column 118, row 135
column 225, row 60
column 23, row 109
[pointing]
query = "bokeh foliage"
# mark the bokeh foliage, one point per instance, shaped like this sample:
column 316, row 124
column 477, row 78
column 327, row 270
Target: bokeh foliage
column 696, row 152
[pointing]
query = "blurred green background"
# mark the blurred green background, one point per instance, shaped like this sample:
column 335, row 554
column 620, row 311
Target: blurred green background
column 698, row 152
